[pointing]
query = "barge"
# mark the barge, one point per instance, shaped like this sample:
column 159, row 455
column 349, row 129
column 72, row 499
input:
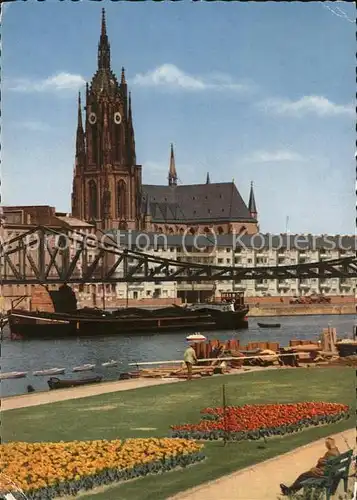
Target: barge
column 228, row 314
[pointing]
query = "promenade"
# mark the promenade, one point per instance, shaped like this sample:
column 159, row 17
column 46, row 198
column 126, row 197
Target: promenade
column 47, row 397
column 261, row 482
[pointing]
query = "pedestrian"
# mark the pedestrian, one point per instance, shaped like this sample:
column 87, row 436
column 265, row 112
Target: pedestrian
column 190, row 359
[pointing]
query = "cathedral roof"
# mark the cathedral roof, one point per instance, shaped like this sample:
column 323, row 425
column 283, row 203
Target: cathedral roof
column 196, row 203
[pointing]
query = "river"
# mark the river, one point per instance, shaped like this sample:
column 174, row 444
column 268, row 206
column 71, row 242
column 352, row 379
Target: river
column 34, row 355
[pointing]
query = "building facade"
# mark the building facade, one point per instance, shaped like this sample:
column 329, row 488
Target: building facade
column 259, row 250
column 107, row 183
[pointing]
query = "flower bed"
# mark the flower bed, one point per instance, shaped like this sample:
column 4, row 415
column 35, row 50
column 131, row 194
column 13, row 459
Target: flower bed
column 48, row 470
column 256, row 421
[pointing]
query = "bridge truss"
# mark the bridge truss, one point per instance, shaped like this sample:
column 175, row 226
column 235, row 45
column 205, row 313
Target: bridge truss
column 46, row 256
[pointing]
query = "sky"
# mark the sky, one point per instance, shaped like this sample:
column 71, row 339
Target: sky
column 260, row 92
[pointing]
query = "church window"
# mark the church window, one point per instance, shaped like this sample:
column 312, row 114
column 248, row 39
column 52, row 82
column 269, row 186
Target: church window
column 94, row 143
column 121, row 200
column 117, row 142
column 93, row 199
column 220, row 230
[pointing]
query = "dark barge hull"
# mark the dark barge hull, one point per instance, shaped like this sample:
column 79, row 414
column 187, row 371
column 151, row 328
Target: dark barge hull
column 24, row 324
column 57, row 383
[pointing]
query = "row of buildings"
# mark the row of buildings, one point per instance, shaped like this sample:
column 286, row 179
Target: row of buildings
column 256, row 250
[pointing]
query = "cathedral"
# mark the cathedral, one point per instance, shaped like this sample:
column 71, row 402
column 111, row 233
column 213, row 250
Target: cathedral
column 107, row 183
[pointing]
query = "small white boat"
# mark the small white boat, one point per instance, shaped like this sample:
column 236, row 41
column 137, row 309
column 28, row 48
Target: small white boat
column 196, row 337
column 83, row 368
column 110, row 363
column 50, row 371
column 4, row 376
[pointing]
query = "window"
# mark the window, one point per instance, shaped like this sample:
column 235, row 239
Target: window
column 121, row 200
column 93, row 199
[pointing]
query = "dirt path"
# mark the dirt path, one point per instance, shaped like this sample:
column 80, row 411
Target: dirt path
column 261, row 481
column 41, row 398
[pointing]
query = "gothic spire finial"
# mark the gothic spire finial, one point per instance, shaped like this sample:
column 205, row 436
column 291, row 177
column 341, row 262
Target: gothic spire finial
column 252, row 205
column 103, row 47
column 104, row 25
column 208, row 180
column 123, row 81
column 172, row 169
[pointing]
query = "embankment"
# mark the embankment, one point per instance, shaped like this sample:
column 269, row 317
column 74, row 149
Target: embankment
column 301, row 310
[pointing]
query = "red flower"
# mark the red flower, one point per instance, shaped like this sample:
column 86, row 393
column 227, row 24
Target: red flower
column 254, row 417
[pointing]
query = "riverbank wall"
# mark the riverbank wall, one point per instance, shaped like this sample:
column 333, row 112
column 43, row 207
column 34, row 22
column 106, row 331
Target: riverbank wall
column 301, row 310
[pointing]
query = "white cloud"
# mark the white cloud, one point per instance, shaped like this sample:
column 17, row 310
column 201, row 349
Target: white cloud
column 273, row 156
column 318, row 105
column 58, row 82
column 170, row 76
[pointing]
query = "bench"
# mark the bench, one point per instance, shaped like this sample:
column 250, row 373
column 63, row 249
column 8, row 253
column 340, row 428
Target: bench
column 335, row 469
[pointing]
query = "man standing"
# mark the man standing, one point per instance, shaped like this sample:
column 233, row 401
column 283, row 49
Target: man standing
column 190, row 359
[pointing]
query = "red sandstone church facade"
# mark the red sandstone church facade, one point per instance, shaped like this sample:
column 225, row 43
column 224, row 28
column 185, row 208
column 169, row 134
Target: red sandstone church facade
column 107, row 183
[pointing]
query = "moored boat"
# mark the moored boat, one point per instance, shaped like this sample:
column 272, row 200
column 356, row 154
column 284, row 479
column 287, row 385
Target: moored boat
column 50, row 371
column 83, row 368
column 108, row 364
column 8, row 375
column 230, row 313
column 269, row 325
column 56, row 383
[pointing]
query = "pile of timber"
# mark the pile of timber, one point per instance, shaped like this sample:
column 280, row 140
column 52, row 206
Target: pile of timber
column 181, row 372
column 345, row 361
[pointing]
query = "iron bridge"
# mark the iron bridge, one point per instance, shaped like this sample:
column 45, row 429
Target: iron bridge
column 46, row 256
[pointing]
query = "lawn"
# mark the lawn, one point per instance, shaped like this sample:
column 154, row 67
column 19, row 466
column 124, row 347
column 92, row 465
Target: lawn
column 150, row 411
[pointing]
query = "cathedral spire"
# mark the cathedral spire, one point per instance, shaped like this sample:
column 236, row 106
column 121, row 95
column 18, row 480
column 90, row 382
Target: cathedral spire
column 172, row 169
column 252, row 206
column 80, row 149
column 103, row 46
column 131, row 137
column 208, row 180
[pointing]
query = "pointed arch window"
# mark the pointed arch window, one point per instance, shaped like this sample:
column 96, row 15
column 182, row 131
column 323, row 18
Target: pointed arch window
column 121, row 200
column 94, row 143
column 93, row 199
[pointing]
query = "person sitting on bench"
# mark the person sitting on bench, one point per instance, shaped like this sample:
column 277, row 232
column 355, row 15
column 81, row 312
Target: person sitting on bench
column 317, row 471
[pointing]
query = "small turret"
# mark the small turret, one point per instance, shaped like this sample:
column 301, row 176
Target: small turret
column 251, row 205
column 208, row 180
column 172, row 169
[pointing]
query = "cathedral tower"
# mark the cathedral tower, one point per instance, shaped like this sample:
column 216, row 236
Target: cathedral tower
column 107, row 181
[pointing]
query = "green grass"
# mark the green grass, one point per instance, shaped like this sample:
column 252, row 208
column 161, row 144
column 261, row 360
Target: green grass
column 158, row 407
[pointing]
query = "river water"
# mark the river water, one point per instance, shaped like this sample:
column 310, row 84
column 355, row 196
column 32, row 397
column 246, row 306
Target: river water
column 34, row 355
